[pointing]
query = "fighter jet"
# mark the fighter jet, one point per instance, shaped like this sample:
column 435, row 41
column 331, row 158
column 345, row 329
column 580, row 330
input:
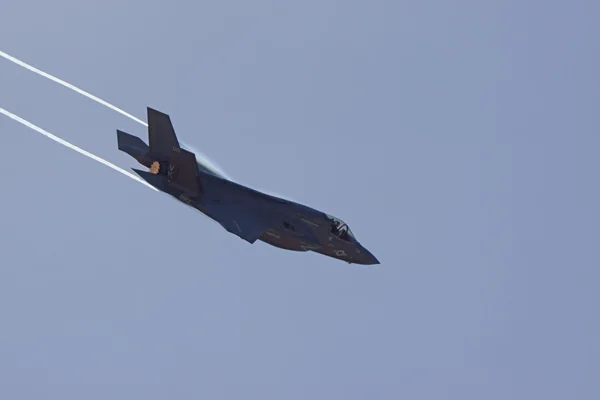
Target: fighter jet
column 245, row 212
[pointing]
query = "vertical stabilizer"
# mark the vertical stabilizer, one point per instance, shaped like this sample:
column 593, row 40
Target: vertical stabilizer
column 161, row 135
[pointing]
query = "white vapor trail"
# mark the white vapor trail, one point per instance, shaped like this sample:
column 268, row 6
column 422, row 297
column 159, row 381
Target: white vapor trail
column 73, row 147
column 68, row 85
column 201, row 157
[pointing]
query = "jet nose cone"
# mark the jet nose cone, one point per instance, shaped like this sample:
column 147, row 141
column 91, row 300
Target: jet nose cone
column 368, row 258
column 372, row 260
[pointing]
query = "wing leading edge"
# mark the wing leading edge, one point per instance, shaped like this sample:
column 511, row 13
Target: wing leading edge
column 239, row 220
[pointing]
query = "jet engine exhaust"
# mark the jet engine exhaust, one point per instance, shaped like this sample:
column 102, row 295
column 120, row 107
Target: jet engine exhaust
column 155, row 167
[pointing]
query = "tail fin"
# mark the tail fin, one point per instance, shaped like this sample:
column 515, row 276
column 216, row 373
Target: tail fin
column 177, row 164
column 183, row 171
column 161, row 135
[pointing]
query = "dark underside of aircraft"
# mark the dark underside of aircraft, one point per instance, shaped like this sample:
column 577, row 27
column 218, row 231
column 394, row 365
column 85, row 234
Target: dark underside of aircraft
column 245, row 212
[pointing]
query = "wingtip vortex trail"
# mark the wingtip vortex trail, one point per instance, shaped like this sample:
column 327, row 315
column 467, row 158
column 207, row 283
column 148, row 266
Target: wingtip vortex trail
column 70, row 86
column 74, row 147
column 208, row 163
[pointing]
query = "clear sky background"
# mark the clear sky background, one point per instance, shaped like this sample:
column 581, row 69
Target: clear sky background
column 459, row 140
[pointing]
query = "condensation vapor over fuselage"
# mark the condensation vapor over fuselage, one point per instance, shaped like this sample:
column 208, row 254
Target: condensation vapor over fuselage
column 205, row 164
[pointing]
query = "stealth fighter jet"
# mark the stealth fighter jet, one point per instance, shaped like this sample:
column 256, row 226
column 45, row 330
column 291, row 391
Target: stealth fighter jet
column 245, row 212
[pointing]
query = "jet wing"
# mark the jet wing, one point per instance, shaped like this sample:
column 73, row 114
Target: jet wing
column 239, row 220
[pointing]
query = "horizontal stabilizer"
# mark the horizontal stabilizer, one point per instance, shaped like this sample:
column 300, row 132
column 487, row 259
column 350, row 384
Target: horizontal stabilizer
column 154, row 180
column 129, row 143
column 134, row 146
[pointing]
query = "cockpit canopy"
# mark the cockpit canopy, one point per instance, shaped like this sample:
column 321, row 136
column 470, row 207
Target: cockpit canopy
column 341, row 229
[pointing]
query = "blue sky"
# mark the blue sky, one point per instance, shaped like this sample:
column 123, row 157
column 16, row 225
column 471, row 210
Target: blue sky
column 458, row 139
